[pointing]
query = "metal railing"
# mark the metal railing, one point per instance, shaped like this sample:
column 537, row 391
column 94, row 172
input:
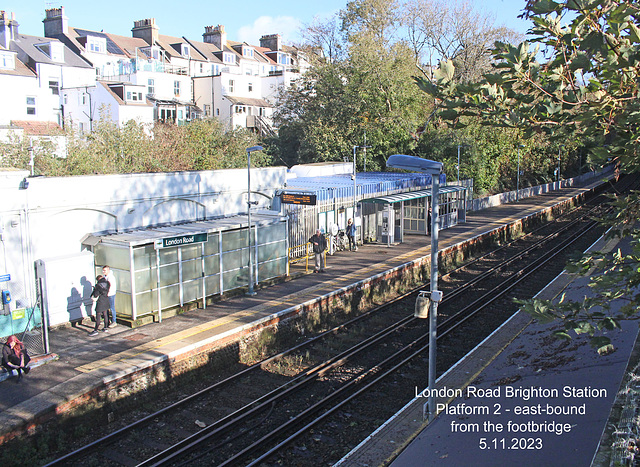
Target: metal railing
column 298, row 254
column 302, row 253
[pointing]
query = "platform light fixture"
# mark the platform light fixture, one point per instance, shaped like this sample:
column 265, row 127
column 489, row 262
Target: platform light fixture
column 458, row 165
column 250, row 290
column 353, row 176
column 521, row 146
column 559, row 149
column 417, row 164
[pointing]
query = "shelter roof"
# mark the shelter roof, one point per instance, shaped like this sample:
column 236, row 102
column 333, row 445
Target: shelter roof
column 150, row 235
column 368, row 184
column 399, row 197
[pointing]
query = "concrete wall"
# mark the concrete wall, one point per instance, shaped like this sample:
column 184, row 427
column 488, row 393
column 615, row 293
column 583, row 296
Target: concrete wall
column 512, row 196
column 52, row 216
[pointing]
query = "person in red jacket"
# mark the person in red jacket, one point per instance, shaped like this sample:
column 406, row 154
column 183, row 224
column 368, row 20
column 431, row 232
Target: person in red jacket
column 15, row 357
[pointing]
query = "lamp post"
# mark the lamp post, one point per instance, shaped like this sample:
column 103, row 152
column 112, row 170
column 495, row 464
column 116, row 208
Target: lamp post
column 458, row 166
column 354, row 184
column 354, row 174
column 250, row 291
column 364, row 166
column 417, row 164
column 460, row 146
column 31, row 162
column 518, row 175
column 559, row 149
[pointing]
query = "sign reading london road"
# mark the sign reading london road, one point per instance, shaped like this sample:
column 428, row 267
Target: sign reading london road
column 299, row 198
column 181, row 240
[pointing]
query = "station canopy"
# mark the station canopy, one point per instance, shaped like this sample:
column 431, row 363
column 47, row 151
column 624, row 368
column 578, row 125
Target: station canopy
column 369, row 184
column 399, row 197
column 150, row 235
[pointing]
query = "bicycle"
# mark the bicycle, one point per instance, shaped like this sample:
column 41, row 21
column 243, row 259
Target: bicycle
column 341, row 243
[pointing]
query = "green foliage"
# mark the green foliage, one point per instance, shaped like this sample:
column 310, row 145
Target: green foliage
column 585, row 92
column 365, row 86
column 588, row 88
column 328, row 113
column 614, row 278
column 200, row 145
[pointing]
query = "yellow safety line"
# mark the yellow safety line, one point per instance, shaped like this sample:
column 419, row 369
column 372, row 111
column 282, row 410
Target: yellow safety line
column 157, row 343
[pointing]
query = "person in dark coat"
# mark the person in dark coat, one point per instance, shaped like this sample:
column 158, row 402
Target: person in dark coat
column 15, row 357
column 351, row 235
column 101, row 294
column 319, row 244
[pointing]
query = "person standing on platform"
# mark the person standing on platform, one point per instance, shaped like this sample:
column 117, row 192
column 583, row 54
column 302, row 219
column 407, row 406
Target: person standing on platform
column 111, row 279
column 101, row 294
column 351, row 235
column 15, row 357
column 319, row 244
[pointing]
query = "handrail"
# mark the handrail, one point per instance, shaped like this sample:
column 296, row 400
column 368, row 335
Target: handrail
column 308, row 253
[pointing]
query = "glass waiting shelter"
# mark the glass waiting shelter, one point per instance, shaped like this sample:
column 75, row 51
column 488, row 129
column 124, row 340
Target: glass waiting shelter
column 410, row 212
column 190, row 262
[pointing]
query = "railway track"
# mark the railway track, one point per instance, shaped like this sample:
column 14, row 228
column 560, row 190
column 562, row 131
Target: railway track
column 260, row 416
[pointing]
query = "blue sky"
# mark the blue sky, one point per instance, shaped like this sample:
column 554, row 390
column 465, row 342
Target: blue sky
column 243, row 20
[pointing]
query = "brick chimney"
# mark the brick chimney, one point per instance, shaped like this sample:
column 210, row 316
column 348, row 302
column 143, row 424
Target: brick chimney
column 215, row 35
column 146, row 29
column 272, row 42
column 55, row 22
column 8, row 29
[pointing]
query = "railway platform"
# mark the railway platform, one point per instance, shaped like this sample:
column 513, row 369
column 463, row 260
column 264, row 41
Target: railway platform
column 80, row 366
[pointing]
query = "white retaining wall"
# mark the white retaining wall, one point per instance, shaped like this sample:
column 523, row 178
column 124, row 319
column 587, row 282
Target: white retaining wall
column 511, row 196
column 52, row 216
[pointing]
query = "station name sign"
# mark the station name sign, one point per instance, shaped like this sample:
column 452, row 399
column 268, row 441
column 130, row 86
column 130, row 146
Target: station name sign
column 181, row 240
column 298, row 198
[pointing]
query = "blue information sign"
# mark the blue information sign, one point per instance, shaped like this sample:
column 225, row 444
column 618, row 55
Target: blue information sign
column 5, row 278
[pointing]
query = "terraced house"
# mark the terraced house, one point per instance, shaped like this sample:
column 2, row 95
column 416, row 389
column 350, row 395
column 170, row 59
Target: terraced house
column 75, row 76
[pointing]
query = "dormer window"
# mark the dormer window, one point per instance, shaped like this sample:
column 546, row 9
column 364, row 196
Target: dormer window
column 185, row 50
column 54, row 50
column 247, row 52
column 97, row 44
column 7, row 60
column 229, row 58
column 283, row 59
column 134, row 96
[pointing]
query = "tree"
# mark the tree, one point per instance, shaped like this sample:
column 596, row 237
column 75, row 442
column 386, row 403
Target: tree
column 367, row 91
column 323, row 40
column 363, row 85
column 133, row 148
column 586, row 87
column 444, row 30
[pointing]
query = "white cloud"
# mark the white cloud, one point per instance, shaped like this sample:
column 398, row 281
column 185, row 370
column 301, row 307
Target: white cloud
column 287, row 26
